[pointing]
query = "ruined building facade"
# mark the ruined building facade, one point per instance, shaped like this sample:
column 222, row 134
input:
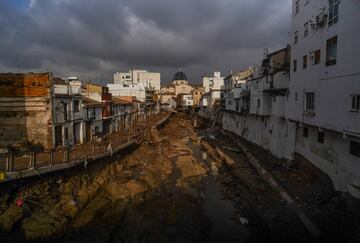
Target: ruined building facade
column 26, row 108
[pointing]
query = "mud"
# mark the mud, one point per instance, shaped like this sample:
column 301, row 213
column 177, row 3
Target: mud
column 168, row 189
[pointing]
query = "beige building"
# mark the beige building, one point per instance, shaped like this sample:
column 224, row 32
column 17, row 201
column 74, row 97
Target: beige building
column 197, row 93
column 181, row 84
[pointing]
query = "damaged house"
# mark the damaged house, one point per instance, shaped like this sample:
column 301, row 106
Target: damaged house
column 39, row 109
column 26, row 109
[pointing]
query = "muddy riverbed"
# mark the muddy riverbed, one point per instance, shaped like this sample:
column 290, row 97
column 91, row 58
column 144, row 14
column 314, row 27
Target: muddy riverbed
column 168, row 189
column 162, row 191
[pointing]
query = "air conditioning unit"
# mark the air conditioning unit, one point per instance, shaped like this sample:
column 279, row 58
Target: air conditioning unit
column 321, row 20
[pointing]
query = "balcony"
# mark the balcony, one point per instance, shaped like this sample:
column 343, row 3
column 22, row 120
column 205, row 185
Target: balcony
column 91, row 116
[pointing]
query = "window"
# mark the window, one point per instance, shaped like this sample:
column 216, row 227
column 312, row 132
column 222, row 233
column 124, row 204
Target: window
column 258, row 103
column 317, row 56
column 304, row 62
column 355, row 102
column 97, row 130
column 295, row 66
column 310, row 101
column 333, row 11
column 331, row 50
column 305, row 132
column 306, row 29
column 355, row 148
column 321, row 137
column 65, row 107
column 66, row 135
column 296, row 37
column 296, row 6
column 296, row 96
column 76, row 106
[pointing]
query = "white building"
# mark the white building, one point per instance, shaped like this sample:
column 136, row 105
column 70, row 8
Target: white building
column 67, row 113
column 313, row 108
column 137, row 90
column 324, row 95
column 234, row 85
column 255, row 110
column 215, row 86
column 93, row 111
column 146, row 78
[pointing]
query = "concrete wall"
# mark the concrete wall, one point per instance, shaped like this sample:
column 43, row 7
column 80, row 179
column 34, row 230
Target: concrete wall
column 332, row 156
column 274, row 134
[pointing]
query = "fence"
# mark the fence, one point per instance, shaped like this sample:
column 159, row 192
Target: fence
column 14, row 162
column 11, row 163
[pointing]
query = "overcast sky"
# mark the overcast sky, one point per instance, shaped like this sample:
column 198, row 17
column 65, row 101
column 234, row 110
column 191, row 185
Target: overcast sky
column 95, row 38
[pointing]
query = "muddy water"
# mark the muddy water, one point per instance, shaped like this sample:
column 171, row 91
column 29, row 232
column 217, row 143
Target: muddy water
column 219, row 210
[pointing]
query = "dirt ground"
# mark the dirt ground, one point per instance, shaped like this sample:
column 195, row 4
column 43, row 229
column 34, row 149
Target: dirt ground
column 171, row 189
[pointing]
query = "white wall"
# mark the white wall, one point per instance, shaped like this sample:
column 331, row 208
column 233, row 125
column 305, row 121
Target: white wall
column 148, row 79
column 137, row 90
column 271, row 133
column 333, row 85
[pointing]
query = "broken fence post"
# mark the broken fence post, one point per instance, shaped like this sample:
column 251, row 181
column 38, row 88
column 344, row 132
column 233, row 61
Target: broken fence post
column 66, row 155
column 32, row 164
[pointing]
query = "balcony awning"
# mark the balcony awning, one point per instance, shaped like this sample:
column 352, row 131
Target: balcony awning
column 276, row 92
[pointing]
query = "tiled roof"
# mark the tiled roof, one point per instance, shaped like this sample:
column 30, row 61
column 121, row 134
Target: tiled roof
column 119, row 101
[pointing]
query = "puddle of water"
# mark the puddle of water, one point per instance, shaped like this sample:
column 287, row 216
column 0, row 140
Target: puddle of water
column 220, row 212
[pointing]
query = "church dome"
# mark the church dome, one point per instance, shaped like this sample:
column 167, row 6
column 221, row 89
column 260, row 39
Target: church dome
column 180, row 76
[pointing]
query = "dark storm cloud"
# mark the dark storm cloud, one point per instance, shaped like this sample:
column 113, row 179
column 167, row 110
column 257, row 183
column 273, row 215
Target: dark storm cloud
column 89, row 37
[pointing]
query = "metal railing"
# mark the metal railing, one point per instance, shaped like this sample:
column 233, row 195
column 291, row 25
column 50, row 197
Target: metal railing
column 11, row 163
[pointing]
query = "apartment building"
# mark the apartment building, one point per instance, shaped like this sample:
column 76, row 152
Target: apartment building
column 121, row 111
column 93, row 111
column 234, row 84
column 137, row 76
column 67, row 113
column 324, row 98
column 101, row 94
column 308, row 103
column 255, row 102
column 213, row 84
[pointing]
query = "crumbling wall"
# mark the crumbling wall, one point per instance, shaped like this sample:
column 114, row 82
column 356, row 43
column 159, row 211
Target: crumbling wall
column 25, row 108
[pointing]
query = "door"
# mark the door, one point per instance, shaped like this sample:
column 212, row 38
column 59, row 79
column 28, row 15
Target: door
column 58, row 136
column 88, row 132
